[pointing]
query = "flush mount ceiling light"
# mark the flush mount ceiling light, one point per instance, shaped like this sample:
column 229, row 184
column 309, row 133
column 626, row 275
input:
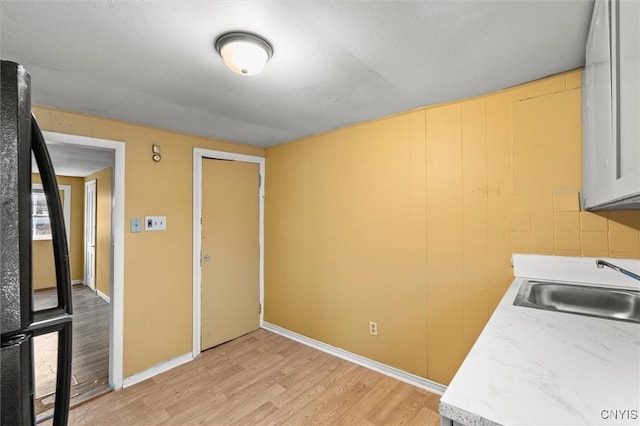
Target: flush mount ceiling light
column 244, row 53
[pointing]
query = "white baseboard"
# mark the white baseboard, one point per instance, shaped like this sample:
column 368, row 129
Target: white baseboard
column 74, row 282
column 103, row 296
column 156, row 369
column 396, row 373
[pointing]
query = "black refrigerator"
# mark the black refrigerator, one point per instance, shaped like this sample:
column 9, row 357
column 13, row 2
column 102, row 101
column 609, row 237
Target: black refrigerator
column 19, row 323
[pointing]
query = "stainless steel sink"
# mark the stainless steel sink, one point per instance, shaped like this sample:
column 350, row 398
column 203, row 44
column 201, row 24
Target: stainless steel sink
column 602, row 302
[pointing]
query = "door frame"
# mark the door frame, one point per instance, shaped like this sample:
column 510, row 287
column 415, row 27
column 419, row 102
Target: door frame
column 199, row 154
column 86, row 232
column 116, row 286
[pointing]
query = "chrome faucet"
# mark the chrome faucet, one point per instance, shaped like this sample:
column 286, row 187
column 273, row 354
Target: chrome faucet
column 601, row 264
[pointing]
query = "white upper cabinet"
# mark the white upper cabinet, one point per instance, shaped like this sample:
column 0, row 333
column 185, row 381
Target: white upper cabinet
column 627, row 95
column 611, row 109
column 597, row 119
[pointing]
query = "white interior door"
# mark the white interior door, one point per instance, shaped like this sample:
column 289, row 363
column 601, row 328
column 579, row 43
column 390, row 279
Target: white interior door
column 90, row 234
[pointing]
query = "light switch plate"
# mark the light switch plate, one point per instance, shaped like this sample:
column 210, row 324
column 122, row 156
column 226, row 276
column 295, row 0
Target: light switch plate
column 155, row 223
column 135, row 225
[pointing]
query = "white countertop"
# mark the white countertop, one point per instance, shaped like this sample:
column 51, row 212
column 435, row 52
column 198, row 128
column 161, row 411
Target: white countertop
column 537, row 367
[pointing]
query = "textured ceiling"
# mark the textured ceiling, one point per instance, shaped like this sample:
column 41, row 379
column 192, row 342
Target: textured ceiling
column 75, row 160
column 335, row 62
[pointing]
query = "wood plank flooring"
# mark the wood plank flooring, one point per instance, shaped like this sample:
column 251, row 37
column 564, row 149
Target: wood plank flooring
column 90, row 365
column 263, row 378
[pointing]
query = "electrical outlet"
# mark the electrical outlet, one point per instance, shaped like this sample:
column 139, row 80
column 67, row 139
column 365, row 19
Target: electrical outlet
column 373, row 328
column 155, row 223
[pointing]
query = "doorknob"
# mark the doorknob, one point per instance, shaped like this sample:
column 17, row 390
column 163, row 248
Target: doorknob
column 207, row 258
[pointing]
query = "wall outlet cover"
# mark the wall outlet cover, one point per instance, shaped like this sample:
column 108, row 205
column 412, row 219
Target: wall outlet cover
column 373, row 328
column 155, row 223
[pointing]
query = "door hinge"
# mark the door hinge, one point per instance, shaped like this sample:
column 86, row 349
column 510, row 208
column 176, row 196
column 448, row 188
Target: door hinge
column 259, row 180
column 259, row 308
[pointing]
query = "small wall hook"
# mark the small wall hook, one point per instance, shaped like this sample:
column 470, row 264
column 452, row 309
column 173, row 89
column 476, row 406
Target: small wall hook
column 155, row 149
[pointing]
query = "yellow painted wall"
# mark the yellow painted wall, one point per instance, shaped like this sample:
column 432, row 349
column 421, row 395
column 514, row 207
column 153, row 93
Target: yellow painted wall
column 103, row 228
column 157, row 270
column 410, row 221
column 44, row 272
column 545, row 214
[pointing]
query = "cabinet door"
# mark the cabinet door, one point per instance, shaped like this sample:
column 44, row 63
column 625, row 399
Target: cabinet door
column 626, row 26
column 598, row 155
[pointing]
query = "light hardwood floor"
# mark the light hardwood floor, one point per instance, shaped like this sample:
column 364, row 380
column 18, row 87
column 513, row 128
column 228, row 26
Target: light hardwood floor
column 90, row 362
column 263, row 378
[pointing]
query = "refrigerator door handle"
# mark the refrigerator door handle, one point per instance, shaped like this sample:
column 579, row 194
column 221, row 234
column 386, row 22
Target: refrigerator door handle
column 46, row 320
column 50, row 188
column 14, row 340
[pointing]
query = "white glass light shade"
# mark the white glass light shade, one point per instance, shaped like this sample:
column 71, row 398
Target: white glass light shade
column 244, row 53
column 243, row 57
